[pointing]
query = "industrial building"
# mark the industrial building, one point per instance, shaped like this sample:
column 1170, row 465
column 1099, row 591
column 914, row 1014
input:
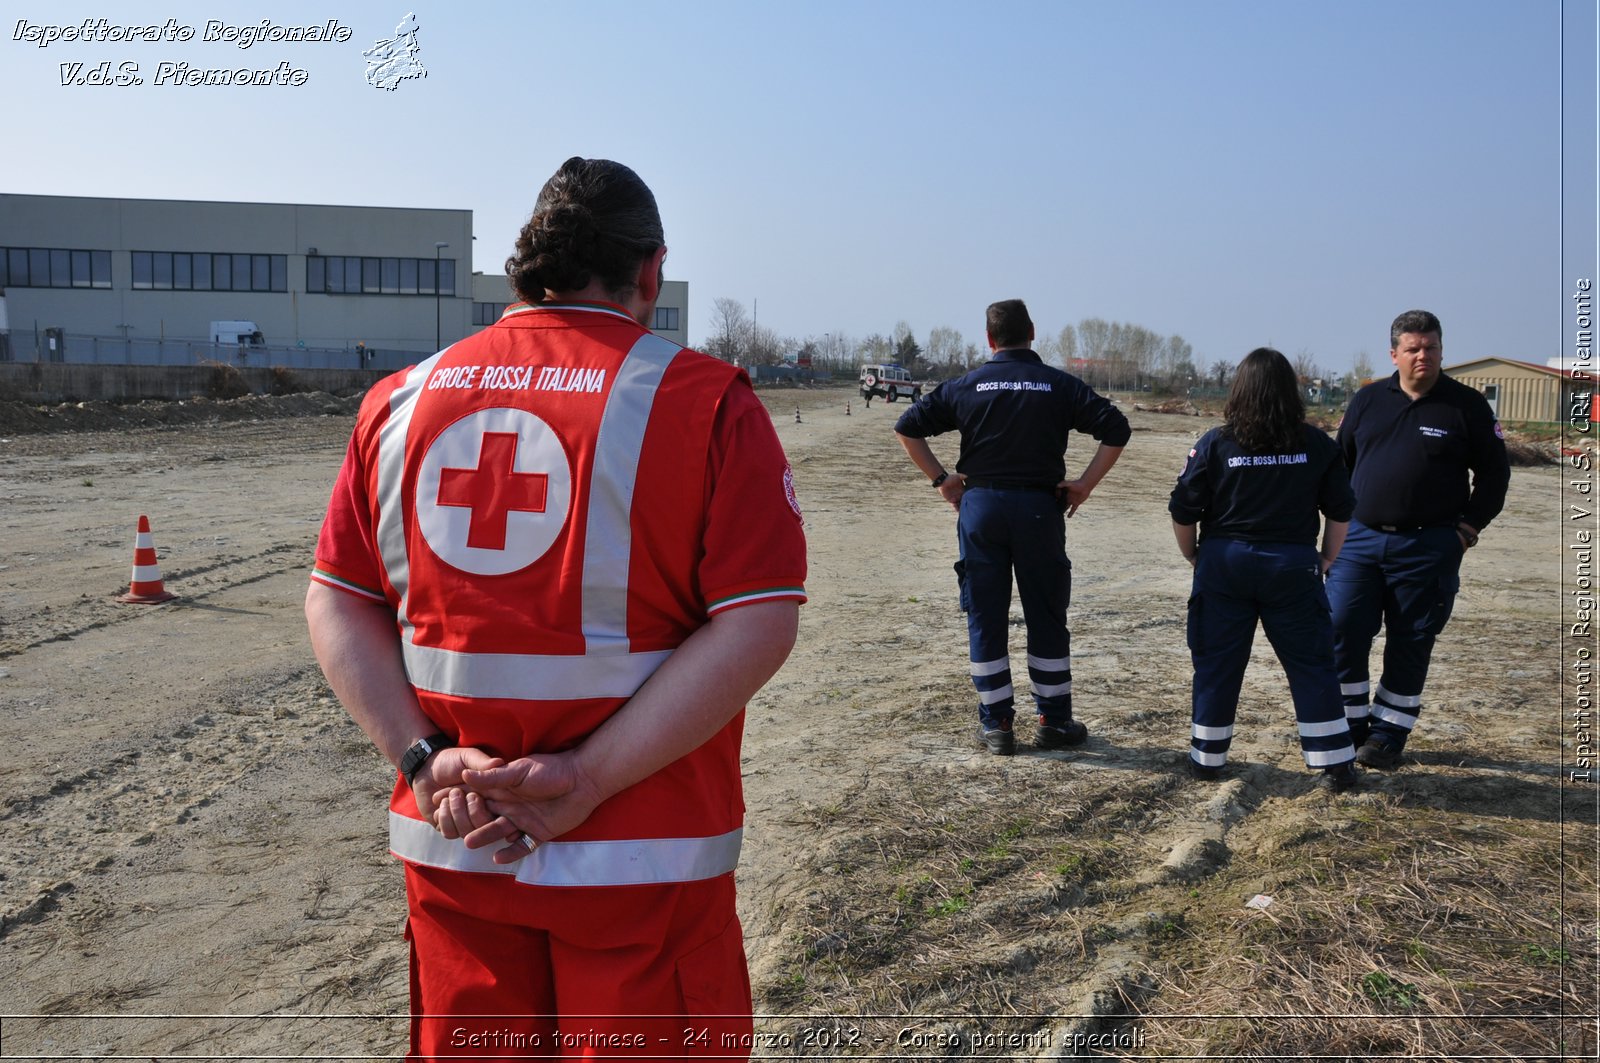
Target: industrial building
column 141, row 281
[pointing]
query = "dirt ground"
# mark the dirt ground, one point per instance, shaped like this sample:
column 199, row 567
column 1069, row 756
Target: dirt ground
column 193, row 859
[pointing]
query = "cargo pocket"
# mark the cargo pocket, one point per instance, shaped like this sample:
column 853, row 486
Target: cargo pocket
column 961, row 587
column 715, row 985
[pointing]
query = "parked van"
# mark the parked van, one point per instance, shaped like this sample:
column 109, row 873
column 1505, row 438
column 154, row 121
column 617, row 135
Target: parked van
column 237, row 334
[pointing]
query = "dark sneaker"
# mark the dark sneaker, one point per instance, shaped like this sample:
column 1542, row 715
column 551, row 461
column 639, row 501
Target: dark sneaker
column 1339, row 778
column 1071, row 733
column 1376, row 753
column 999, row 741
column 1205, row 771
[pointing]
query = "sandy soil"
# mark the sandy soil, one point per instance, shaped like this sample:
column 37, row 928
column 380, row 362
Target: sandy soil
column 194, row 850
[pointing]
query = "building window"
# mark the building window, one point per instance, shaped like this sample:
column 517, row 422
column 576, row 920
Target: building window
column 356, row 275
column 54, row 267
column 187, row 271
column 486, row 313
column 666, row 319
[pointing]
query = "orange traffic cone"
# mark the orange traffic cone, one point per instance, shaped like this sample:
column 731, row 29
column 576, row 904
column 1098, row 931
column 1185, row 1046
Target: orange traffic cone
column 146, row 587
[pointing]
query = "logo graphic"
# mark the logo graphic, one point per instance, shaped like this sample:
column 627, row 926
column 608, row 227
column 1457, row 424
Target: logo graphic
column 394, row 60
column 494, row 491
column 788, row 491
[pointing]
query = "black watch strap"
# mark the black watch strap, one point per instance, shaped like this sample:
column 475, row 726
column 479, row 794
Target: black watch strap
column 941, row 478
column 419, row 753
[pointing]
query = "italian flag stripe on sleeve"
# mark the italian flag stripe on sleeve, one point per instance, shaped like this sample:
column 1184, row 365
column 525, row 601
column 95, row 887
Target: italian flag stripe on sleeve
column 333, row 579
column 746, row 597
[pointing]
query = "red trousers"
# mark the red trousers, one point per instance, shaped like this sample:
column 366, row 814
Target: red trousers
column 619, row 972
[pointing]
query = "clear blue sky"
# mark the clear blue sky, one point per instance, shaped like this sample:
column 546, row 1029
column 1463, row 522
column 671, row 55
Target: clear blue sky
column 1238, row 172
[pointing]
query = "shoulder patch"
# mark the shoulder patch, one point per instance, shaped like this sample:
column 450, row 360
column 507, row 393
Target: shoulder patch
column 1499, row 433
column 788, row 491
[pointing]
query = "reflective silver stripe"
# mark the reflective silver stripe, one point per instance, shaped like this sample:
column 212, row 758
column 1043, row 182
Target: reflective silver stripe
column 1208, row 760
column 144, row 540
column 1354, row 689
column 1323, row 758
column 991, row 667
column 607, row 670
column 1356, row 712
column 994, row 697
column 1052, row 690
column 608, row 542
column 529, row 676
column 1212, row 734
column 1394, row 716
column 1399, row 701
column 1050, row 664
column 146, row 573
column 1323, row 730
column 635, row 862
column 391, row 530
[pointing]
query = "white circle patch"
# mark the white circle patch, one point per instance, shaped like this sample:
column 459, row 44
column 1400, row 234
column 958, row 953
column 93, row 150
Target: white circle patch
column 494, row 491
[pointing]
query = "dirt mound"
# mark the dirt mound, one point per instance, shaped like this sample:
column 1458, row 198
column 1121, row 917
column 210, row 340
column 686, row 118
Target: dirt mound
column 17, row 418
column 1180, row 406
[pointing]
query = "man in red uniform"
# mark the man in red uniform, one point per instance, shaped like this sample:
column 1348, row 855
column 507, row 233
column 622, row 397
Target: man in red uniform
column 559, row 558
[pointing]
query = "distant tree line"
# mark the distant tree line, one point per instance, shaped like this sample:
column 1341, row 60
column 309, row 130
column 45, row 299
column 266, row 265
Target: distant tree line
column 1109, row 355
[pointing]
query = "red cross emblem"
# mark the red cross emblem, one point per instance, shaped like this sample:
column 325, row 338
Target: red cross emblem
column 493, row 490
column 480, row 504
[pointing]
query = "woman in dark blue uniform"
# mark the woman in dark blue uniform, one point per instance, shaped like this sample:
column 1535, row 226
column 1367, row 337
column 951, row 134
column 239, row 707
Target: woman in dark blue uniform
column 1254, row 487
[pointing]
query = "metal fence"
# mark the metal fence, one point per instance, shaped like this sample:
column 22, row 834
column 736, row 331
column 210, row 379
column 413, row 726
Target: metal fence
column 18, row 346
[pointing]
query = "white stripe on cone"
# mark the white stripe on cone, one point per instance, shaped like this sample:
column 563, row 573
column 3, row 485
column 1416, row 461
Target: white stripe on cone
column 145, row 586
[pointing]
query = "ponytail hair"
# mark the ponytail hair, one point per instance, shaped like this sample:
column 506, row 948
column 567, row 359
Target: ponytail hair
column 595, row 220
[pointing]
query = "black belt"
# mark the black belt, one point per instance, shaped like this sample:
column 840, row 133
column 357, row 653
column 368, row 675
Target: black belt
column 1405, row 528
column 1007, row 485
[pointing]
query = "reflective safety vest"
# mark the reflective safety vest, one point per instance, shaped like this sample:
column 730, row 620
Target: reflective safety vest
column 538, row 504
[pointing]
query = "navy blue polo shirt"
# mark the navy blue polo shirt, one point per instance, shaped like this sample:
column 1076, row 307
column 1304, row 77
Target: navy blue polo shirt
column 1234, row 493
column 1409, row 459
column 1014, row 413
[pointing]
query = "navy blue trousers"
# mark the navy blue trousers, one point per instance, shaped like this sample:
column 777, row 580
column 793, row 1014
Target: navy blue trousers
column 1001, row 532
column 1280, row 584
column 1406, row 583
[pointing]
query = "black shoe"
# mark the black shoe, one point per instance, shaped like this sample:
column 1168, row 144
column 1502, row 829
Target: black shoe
column 999, row 741
column 1071, row 733
column 1376, row 753
column 1339, row 778
column 1204, row 771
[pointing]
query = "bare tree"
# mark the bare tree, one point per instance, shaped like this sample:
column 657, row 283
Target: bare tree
column 730, row 330
column 765, row 347
column 1044, row 345
column 876, row 349
column 1067, row 345
column 944, row 348
column 1306, row 367
column 1362, row 370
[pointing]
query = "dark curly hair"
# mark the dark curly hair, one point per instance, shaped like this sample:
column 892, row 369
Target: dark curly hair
column 1265, row 410
column 594, row 219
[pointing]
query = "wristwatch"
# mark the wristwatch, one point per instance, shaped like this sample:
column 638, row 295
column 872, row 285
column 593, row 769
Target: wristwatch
column 420, row 751
column 941, row 478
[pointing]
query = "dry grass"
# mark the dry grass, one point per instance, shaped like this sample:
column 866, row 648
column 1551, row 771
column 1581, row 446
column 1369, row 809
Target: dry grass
column 1417, row 933
column 1009, row 899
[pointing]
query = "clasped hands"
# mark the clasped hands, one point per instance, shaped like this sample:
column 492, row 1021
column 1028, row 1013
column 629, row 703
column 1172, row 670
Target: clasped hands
column 466, row 793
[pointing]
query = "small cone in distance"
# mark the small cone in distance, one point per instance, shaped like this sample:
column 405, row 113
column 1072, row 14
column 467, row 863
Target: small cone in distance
column 146, row 588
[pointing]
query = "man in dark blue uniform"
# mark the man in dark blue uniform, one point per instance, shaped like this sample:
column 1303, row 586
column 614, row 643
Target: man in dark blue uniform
column 1410, row 442
column 1010, row 491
